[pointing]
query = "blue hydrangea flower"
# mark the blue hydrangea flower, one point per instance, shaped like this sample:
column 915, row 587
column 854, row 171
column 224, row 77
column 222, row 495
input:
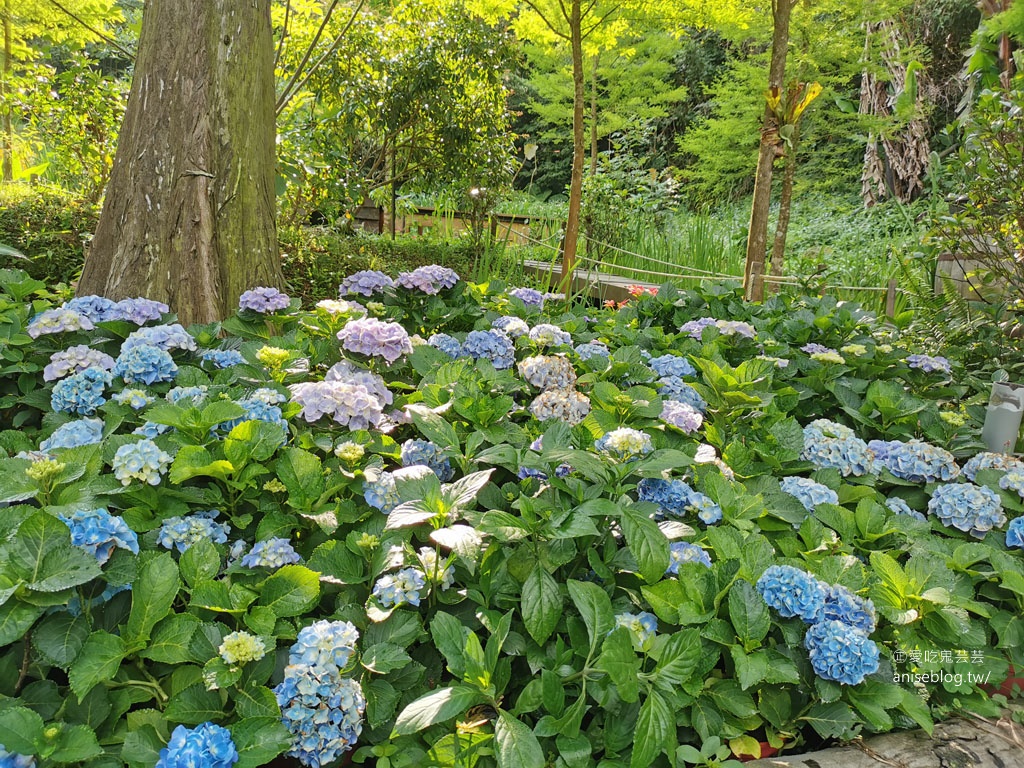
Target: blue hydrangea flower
column 1011, row 481
column 548, row 372
column 828, row 445
column 182, row 532
column 382, row 493
column 808, row 492
column 350, row 405
column 14, row 760
column 195, row 394
column 685, row 552
column 165, row 337
column 430, row 280
column 74, row 434
column 58, row 321
column 970, row 508
column 257, row 409
column 325, row 644
column 490, row 345
column 930, row 364
column 671, row 365
column 223, row 358
column 900, row 507
column 271, row 553
column 987, row 460
column 642, row 628
column 624, row 443
column 681, row 416
column 264, row 300
column 98, row 532
column 447, row 344
column 792, row 592
column 375, row 338
column 99, row 309
column 136, row 399
column 145, row 364
column 674, row 388
column 81, row 393
column 592, row 349
column 141, row 311
column 511, row 326
column 206, row 745
column 841, row 653
column 395, row 589
column 548, row 335
column 429, row 455
column 843, row 605
column 914, row 460
column 529, row 296
column 323, row 711
column 142, row 461
column 695, row 328
column 365, row 283
column 676, row 498
column 566, row 405
column 151, row 430
column 814, row 348
column 75, row 359
column 1015, row 533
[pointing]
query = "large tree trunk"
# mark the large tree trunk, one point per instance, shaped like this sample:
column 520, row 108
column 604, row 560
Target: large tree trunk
column 757, row 233
column 189, row 211
column 572, row 225
column 8, row 138
column 961, row 743
column 785, row 209
column 593, row 114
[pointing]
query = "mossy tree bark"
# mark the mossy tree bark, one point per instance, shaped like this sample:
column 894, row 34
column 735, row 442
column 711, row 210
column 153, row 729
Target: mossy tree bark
column 189, row 214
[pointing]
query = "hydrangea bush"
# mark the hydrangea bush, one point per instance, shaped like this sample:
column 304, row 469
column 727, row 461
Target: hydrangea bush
column 464, row 525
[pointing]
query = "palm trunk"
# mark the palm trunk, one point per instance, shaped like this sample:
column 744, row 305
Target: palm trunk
column 785, row 209
column 572, row 224
column 757, row 233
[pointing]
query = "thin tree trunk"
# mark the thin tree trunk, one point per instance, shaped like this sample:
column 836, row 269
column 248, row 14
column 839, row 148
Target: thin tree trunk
column 757, row 233
column 593, row 115
column 572, row 225
column 189, row 215
column 8, row 140
column 785, row 209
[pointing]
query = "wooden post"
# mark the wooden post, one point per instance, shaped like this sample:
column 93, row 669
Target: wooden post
column 890, row 299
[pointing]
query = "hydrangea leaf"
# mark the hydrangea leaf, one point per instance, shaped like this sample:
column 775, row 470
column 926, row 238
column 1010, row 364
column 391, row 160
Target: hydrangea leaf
column 75, row 744
column 647, row 543
column 749, row 614
column 171, row 639
column 517, row 746
column 99, row 660
column 194, row 705
column 60, row 638
column 21, row 730
column 153, row 594
column 620, row 661
column 291, row 591
column 595, row 607
column 654, row 725
column 436, row 707
column 302, row 474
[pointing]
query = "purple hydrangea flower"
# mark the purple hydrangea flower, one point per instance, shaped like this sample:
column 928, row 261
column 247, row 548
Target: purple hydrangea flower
column 351, row 405
column 99, row 309
column 568, row 405
column 490, row 345
column 694, row 328
column 365, row 283
column 165, row 337
column 430, row 280
column 930, row 364
column 681, row 416
column 348, row 372
column 375, row 338
column 75, row 359
column 141, row 311
column 529, row 296
column 264, row 300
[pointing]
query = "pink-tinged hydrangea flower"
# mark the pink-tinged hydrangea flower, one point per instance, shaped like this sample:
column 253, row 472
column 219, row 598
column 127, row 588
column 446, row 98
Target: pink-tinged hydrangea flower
column 264, row 300
column 75, row 359
column 165, row 337
column 348, row 372
column 564, row 405
column 58, row 321
column 375, row 338
column 681, row 416
column 548, row 372
column 430, row 280
column 351, row 405
column 365, row 283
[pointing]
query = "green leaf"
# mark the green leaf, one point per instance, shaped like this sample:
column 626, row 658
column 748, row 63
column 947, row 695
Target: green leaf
column 748, row 613
column 199, row 562
column 831, row 721
column 541, row 604
column 750, row 670
column 60, row 637
column 381, row 701
column 195, row 461
column 76, row 744
column 98, row 660
column 653, row 727
column 16, row 619
column 384, row 657
column 679, row 657
column 259, row 740
column 195, row 705
column 595, row 607
column 517, row 746
column 647, row 543
column 449, row 638
column 21, row 730
column 620, row 662
column 36, row 537
column 291, row 591
column 257, row 701
column 171, row 639
column 64, row 567
column 256, row 440
column 302, row 474
column 435, row 707
column 153, row 595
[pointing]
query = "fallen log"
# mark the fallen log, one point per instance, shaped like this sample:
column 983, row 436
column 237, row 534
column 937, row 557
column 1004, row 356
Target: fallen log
column 963, row 742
